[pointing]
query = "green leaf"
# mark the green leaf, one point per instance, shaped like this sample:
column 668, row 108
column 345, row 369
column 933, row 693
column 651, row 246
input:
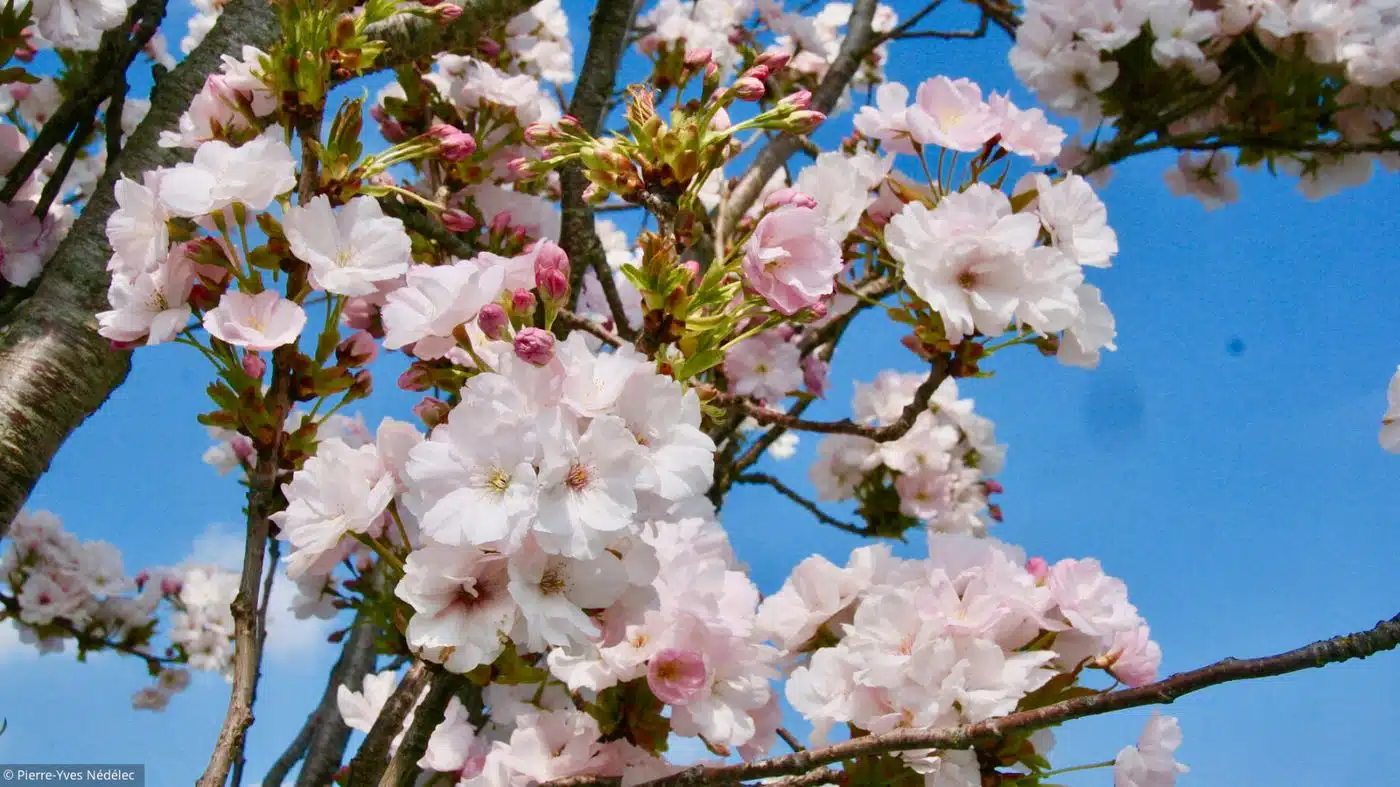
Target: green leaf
column 698, row 363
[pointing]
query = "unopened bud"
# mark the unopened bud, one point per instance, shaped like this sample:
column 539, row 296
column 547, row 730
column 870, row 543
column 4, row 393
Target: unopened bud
column 254, row 365
column 431, row 411
column 170, row 586
column 552, row 283
column 493, row 320
column 749, row 89
column 540, row 133
column 1038, row 568
column 448, row 13
column 413, row 379
column 357, row 349
column 458, row 220
column 992, row 487
column 697, row 58
column 361, row 314
column 805, row 121
column 789, row 196
column 757, row 72
column 362, row 386
column 488, row 48
column 549, row 255
column 534, row 346
column 773, row 61
column 454, row 144
column 500, row 223
column 522, row 302
column 802, row 99
column 692, row 269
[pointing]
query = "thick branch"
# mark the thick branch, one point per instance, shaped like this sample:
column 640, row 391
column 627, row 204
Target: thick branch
column 260, row 637
column 403, row 768
column 373, row 756
column 330, row 733
column 607, row 38
column 1384, row 636
column 409, row 37
column 860, row 41
column 54, row 368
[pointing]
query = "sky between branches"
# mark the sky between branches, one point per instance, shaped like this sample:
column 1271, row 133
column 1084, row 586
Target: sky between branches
column 1223, row 463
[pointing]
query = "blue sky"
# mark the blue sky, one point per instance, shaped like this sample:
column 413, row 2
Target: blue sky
column 1242, row 496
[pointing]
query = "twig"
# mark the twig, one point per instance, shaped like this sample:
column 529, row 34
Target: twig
column 819, row 776
column 419, row 221
column 790, row 740
column 89, row 642
column 411, row 36
column 579, row 322
column 65, row 165
column 880, row 434
column 373, row 756
column 1383, row 637
column 825, row 518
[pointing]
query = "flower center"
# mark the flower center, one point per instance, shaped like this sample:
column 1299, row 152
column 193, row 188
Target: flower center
column 499, row 480
column 578, row 477
column 551, row 584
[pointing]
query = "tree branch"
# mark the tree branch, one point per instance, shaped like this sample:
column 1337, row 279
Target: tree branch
column 607, row 38
column 87, row 641
column 1383, row 637
column 373, row 756
column 403, row 768
column 410, row 36
column 274, row 549
column 330, row 732
column 54, row 368
column 880, row 434
column 860, row 41
column 791, row 494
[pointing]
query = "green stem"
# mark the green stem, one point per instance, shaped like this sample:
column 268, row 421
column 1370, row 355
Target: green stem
column 1089, row 767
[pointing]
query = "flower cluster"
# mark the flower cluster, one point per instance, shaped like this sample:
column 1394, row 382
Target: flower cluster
column 973, row 632
column 1231, row 63
column 939, row 472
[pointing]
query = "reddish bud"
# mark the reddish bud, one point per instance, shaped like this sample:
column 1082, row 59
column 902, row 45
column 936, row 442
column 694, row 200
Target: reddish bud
column 448, row 13
column 116, row 345
column 431, row 411
column 749, row 89
column 429, row 3
column 413, row 379
column 21, row 91
column 757, row 72
column 500, row 223
column 254, row 365
column 552, row 283
column 692, row 269
column 534, row 346
column 242, row 448
column 454, row 144
column 548, row 255
column 993, row 487
column 357, row 350
column 488, row 48
column 142, row 577
column 522, row 302
column 362, row 315
column 805, row 121
column 773, row 61
column 493, row 320
column 458, row 220
column 802, row 99
column 362, row 386
column 169, row 586
column 697, row 58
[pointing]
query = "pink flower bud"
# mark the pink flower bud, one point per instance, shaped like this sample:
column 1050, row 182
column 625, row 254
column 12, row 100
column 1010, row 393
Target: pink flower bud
column 142, row 577
column 378, row 113
column 774, row 61
column 488, row 48
column 696, row 58
column 492, row 320
column 519, row 168
column 458, row 220
column 805, row 121
column 20, row 92
column 757, row 72
column 357, row 350
column 1038, row 568
column 382, row 179
column 692, row 269
column 362, row 315
column 413, row 379
column 117, row 345
column 254, row 365
column 552, row 283
column 819, row 309
column 454, row 144
column 802, row 99
column 749, row 89
column 720, row 120
column 431, row 411
column 448, row 13
column 814, row 375
column 539, row 133
column 677, row 676
column 170, row 586
column 242, row 447
column 548, row 255
column 789, row 196
column 992, row 487
column 534, row 346
column 500, row 223
column 429, row 3
column 522, row 302
column 393, row 131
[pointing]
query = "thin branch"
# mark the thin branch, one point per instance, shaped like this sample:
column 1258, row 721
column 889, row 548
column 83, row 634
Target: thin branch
column 263, row 501
column 419, row 221
column 373, row 756
column 819, row 776
column 274, row 550
column 948, row 35
column 581, row 323
column 87, row 641
column 75, row 145
column 1383, row 637
column 860, row 41
column 880, row 434
column 412, row 36
column 791, row 494
column 790, row 740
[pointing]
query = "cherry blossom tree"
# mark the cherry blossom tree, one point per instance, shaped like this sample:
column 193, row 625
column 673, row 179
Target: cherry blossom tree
column 533, row 558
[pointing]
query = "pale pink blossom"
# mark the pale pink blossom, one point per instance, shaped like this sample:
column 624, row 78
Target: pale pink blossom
column 791, row 260
column 1133, row 657
column 221, row 175
column 677, row 676
column 260, row 322
column 350, row 249
column 1390, row 422
column 22, row 247
column 951, row 114
column 1152, row 762
column 1026, row 132
column 338, row 491
column 462, row 608
column 765, row 366
column 154, row 305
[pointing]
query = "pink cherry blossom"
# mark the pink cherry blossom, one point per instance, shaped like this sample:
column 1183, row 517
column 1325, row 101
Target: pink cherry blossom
column 951, row 114
column 677, row 676
column 264, row 321
column 791, row 259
